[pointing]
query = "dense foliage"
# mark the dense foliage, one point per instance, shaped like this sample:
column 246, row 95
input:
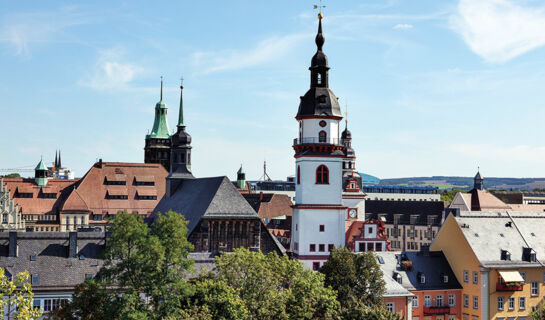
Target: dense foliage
column 17, row 297
column 448, row 195
column 146, row 272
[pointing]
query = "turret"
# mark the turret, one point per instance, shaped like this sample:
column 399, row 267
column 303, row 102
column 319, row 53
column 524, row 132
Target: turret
column 478, row 181
column 40, row 174
column 241, row 178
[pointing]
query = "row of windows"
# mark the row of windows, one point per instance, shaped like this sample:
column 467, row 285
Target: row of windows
column 126, row 197
column 46, row 229
column 511, row 303
column 321, row 247
column 475, row 301
column 439, row 302
column 49, row 304
column 371, row 246
column 475, row 277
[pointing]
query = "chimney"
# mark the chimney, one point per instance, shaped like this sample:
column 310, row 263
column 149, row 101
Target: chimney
column 72, row 245
column 100, row 163
column 13, row 243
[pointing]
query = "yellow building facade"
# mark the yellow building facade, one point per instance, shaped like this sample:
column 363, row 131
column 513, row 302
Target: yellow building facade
column 496, row 256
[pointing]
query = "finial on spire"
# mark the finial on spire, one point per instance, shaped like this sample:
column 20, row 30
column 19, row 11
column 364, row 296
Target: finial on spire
column 346, row 114
column 319, row 7
column 181, row 112
column 161, row 88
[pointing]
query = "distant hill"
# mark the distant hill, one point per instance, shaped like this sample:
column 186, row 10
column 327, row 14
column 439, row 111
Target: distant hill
column 466, row 183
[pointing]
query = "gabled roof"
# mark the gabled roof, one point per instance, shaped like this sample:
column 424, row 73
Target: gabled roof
column 269, row 205
column 488, row 233
column 199, row 198
column 433, row 265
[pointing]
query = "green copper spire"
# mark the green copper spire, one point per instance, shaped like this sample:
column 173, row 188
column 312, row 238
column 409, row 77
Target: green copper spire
column 40, row 174
column 181, row 114
column 160, row 124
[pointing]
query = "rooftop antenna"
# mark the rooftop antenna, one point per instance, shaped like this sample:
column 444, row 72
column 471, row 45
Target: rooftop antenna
column 161, row 88
column 265, row 176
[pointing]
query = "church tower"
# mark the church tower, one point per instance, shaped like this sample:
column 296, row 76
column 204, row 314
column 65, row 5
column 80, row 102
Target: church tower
column 157, row 148
column 318, row 214
column 180, row 152
column 478, row 181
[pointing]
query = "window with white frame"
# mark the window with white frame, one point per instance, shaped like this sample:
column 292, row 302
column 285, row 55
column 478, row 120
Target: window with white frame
column 511, row 303
column 466, row 276
column 452, row 317
column 451, row 300
column 501, row 302
column 522, row 303
column 475, row 277
column 427, row 301
column 466, row 301
column 475, row 302
column 439, row 300
column 535, row 288
column 415, row 302
column 390, row 306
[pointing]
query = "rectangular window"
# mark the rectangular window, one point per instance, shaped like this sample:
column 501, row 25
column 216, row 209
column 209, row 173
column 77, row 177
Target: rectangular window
column 330, row 247
column 475, row 302
column 535, row 289
column 390, row 307
column 312, row 248
column 466, row 300
column 511, row 303
column 439, row 300
column 378, row 247
column 322, row 228
column 321, row 247
column 47, row 305
column 427, row 301
column 370, row 246
column 415, row 302
column 475, row 277
column 451, row 317
column 522, row 303
column 466, row 276
column 315, row 266
column 501, row 302
column 34, row 279
column 451, row 300
column 361, row 247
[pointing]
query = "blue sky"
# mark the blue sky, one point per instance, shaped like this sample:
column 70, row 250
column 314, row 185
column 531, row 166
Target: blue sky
column 433, row 87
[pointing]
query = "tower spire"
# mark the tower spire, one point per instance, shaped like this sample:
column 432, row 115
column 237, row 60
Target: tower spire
column 181, row 115
column 56, row 159
column 60, row 163
column 161, row 99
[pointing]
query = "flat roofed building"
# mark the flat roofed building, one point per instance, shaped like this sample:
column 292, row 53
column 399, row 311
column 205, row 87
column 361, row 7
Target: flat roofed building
column 401, row 193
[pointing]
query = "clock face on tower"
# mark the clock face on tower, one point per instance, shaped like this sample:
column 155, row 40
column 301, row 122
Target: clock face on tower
column 353, row 213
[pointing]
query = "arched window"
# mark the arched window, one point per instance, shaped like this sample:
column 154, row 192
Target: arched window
column 322, row 175
column 298, row 174
column 322, row 136
column 319, row 78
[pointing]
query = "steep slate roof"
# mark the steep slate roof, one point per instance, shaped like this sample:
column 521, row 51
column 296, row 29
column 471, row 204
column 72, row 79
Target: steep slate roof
column 55, row 270
column 38, row 204
column 421, row 210
column 214, row 197
column 487, row 233
column 433, row 265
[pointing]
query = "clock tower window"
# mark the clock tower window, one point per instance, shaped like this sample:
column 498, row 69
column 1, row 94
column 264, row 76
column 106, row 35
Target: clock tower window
column 322, row 136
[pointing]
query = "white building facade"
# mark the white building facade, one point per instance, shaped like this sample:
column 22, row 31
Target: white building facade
column 318, row 214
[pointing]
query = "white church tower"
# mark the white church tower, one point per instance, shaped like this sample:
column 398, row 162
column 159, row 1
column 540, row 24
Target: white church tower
column 318, row 214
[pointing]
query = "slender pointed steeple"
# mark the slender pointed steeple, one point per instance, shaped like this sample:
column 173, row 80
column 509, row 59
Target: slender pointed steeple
column 161, row 89
column 181, row 114
column 59, row 161
column 160, row 124
column 56, row 159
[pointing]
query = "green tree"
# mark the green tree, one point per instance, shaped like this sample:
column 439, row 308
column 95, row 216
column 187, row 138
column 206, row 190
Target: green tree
column 274, row 287
column 12, row 175
column 539, row 312
column 361, row 311
column 17, row 293
column 357, row 278
column 448, row 195
column 143, row 276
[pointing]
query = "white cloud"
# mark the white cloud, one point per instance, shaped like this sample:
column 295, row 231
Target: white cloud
column 110, row 71
column 403, row 26
column 267, row 50
column 499, row 30
column 21, row 30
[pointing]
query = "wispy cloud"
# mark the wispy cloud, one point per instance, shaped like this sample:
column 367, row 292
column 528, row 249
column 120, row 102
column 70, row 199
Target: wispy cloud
column 111, row 71
column 21, row 30
column 403, row 26
column 499, row 30
column 267, row 50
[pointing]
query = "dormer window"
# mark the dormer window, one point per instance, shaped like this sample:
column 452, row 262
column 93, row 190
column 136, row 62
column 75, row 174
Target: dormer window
column 528, row 254
column 421, row 278
column 445, row 278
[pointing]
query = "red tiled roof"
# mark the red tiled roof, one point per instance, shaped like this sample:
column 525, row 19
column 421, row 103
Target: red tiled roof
column 144, row 178
column 117, row 191
column 74, row 202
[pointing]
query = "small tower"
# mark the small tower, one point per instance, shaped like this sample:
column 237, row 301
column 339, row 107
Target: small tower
column 40, row 174
column 180, row 152
column 478, row 181
column 241, row 178
column 157, row 148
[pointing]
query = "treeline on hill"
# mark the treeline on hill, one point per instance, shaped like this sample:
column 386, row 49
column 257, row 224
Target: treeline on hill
column 464, row 183
column 147, row 271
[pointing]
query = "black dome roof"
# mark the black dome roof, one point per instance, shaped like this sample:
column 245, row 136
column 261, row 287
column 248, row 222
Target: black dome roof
column 346, row 134
column 181, row 137
column 319, row 101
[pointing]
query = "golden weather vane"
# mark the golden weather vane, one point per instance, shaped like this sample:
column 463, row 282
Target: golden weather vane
column 319, row 7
